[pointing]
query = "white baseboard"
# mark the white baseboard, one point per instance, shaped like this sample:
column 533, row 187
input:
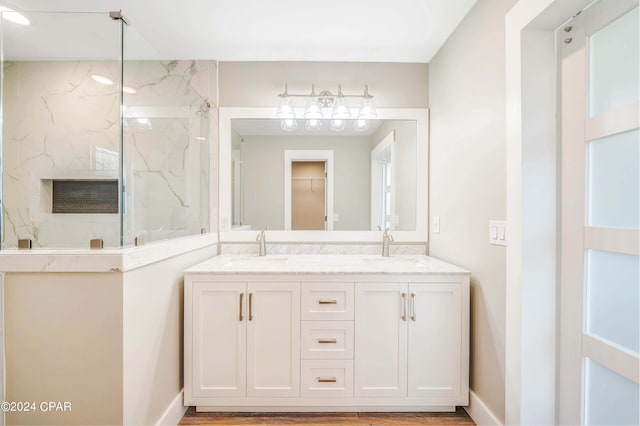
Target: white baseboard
column 174, row 412
column 480, row 413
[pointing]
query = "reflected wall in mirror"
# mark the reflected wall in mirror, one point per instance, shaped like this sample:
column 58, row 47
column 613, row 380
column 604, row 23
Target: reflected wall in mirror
column 312, row 178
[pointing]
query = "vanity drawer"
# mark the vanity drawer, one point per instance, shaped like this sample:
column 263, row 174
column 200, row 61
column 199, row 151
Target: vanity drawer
column 326, row 340
column 327, row 378
column 327, row 301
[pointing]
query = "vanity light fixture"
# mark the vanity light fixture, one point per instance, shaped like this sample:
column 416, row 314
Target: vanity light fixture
column 13, row 16
column 318, row 102
column 129, row 90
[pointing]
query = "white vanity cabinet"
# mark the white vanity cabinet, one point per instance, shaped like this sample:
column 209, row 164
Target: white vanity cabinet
column 367, row 339
column 409, row 340
column 244, row 339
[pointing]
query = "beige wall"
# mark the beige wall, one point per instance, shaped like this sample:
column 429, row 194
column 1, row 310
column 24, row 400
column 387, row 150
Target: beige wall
column 257, row 84
column 467, row 179
column 153, row 336
column 63, row 342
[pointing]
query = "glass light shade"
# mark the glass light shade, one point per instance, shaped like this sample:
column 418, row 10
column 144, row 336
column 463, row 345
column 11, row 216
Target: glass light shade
column 367, row 110
column 313, row 124
column 289, row 125
column 285, row 110
column 340, row 109
column 338, row 124
column 313, row 110
column 361, row 125
column 129, row 90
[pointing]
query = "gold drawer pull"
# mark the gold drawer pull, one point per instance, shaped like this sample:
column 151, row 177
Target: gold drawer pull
column 326, row 379
column 327, row 341
column 327, row 302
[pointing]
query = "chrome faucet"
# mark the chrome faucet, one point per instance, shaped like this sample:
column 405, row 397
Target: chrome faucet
column 262, row 243
column 386, row 239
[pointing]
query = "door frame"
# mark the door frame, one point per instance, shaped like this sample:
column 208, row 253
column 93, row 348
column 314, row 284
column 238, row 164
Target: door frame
column 377, row 197
column 323, row 155
column 531, row 332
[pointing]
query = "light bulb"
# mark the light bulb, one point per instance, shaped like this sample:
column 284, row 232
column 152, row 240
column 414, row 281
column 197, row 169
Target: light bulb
column 340, row 109
column 338, row 125
column 289, row 125
column 313, row 109
column 361, row 125
column 313, row 124
column 367, row 110
column 285, row 110
column 129, row 90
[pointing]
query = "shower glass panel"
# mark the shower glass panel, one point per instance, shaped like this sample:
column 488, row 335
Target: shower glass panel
column 167, row 110
column 60, row 123
column 103, row 137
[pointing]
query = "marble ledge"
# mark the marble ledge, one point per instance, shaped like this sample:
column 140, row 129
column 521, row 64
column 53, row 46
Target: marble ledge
column 100, row 261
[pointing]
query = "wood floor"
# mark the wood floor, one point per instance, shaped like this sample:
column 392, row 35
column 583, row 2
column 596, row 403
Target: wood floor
column 460, row 417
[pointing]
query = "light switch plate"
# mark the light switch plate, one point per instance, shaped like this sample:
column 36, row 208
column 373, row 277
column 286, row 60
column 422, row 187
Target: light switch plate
column 498, row 232
column 436, row 224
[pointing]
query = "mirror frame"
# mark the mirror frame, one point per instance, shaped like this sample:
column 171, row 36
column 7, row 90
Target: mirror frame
column 419, row 235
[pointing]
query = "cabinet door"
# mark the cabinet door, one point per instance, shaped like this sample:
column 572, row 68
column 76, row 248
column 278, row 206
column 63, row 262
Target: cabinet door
column 435, row 340
column 381, row 340
column 219, row 340
column 273, row 340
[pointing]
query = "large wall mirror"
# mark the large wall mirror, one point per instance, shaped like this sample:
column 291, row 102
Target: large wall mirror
column 318, row 182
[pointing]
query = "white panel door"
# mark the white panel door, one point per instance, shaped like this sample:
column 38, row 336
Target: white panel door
column 273, row 340
column 219, row 339
column 600, row 247
column 435, row 341
column 381, row 340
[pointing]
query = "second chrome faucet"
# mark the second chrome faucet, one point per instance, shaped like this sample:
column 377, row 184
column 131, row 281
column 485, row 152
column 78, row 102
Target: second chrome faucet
column 262, row 243
column 386, row 239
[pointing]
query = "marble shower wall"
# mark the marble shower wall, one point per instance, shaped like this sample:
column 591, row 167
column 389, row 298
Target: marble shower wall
column 60, row 123
column 166, row 141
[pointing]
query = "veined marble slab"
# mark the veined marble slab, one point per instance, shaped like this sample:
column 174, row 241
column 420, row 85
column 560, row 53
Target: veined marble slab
column 326, row 264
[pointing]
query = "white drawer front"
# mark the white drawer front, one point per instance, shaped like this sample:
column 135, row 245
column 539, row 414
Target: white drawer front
column 327, row 340
column 327, row 378
column 327, row 301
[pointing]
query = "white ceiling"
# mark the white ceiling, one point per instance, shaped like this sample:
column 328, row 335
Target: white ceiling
column 274, row 30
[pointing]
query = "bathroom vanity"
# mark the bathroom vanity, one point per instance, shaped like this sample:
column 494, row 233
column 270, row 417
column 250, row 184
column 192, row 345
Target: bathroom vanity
column 326, row 333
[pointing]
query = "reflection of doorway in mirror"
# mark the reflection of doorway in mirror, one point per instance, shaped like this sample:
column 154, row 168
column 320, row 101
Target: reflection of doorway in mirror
column 382, row 183
column 308, row 195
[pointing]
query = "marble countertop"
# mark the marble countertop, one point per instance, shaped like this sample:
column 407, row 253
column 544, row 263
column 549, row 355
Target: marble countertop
column 326, row 265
